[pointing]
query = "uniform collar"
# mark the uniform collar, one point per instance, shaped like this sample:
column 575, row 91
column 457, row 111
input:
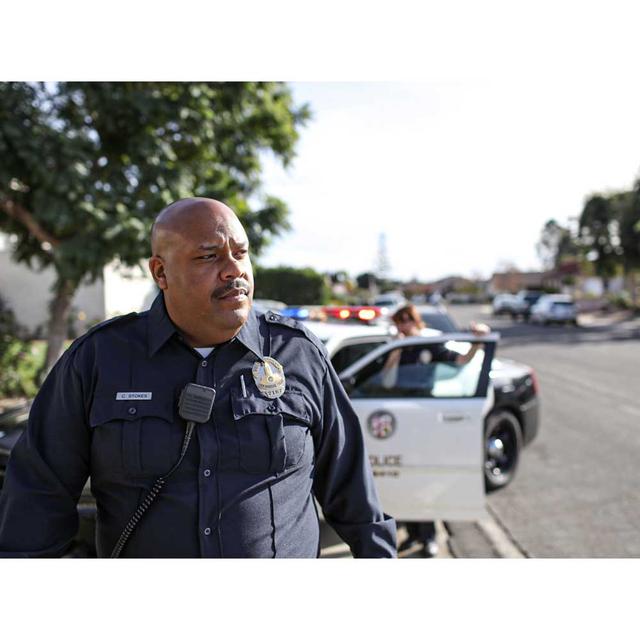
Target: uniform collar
column 161, row 328
column 249, row 335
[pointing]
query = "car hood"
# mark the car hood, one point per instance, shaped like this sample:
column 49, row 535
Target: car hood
column 505, row 369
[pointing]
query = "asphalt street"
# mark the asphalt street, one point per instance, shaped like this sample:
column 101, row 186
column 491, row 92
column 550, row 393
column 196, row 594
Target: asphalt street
column 576, row 491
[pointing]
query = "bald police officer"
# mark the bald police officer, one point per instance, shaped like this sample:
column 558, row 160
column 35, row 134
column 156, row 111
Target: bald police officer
column 281, row 429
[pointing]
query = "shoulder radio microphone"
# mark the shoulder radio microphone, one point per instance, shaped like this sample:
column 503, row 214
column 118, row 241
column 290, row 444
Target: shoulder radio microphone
column 196, row 402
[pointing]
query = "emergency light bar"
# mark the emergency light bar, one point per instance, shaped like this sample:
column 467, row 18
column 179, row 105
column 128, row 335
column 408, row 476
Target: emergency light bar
column 361, row 313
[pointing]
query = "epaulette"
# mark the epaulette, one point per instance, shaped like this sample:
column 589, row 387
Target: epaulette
column 97, row 327
column 292, row 323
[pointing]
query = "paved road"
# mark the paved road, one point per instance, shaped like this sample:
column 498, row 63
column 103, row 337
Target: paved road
column 577, row 492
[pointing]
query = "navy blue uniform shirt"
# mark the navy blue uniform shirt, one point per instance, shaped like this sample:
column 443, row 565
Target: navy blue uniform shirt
column 246, row 485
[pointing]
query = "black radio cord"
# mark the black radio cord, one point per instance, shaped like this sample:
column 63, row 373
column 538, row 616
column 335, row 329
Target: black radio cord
column 152, row 494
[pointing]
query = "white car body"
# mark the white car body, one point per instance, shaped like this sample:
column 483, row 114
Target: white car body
column 334, row 334
column 430, row 467
column 504, row 303
column 554, row 308
column 391, row 300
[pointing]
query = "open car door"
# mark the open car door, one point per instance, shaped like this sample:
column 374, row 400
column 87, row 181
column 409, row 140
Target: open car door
column 422, row 411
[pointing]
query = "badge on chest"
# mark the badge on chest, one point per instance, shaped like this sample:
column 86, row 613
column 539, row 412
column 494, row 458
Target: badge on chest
column 268, row 375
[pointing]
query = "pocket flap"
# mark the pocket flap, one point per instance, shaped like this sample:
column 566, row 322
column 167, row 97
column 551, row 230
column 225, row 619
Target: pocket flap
column 106, row 408
column 292, row 403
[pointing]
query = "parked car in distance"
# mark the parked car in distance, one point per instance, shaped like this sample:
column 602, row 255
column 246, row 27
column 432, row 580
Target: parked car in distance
column 391, row 300
column 504, row 303
column 523, row 303
column 454, row 297
column 555, row 308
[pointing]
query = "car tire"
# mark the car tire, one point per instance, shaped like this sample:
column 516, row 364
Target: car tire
column 502, row 446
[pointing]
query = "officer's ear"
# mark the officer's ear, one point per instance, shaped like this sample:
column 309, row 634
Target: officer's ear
column 156, row 266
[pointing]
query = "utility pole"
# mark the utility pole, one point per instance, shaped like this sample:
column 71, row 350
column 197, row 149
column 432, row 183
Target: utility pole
column 382, row 267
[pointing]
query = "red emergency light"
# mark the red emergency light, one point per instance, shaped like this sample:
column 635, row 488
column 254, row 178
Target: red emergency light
column 361, row 313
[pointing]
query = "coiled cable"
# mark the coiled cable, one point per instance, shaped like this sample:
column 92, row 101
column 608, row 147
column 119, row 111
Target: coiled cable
column 152, row 494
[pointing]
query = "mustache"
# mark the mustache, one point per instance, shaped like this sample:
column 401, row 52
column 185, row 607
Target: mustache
column 238, row 283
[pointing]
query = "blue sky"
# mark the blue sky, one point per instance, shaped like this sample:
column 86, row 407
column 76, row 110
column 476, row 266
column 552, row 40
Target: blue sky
column 459, row 176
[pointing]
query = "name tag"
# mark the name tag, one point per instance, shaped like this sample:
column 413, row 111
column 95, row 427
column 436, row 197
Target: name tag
column 134, row 395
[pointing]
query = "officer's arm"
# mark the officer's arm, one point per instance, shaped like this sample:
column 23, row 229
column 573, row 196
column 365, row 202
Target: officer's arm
column 343, row 481
column 47, row 470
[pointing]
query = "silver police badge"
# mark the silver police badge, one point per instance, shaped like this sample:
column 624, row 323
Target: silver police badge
column 381, row 424
column 269, row 377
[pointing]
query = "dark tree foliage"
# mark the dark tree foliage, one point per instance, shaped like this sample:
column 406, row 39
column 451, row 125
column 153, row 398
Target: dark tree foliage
column 599, row 235
column 85, row 167
column 14, row 350
column 627, row 210
column 556, row 245
column 627, row 206
column 292, row 286
column 366, row 280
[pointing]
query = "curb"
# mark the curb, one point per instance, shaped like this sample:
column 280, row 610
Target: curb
column 486, row 538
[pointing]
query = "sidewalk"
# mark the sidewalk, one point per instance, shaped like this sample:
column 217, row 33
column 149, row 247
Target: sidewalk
column 333, row 547
column 608, row 318
column 483, row 539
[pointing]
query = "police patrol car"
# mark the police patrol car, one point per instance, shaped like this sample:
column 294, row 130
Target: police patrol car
column 436, row 450
column 424, row 428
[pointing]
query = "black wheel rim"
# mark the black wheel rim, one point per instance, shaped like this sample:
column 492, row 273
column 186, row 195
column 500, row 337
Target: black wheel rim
column 501, row 451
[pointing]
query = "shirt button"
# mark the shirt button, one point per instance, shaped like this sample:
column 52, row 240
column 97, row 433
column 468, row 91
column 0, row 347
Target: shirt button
column 207, row 532
column 132, row 411
column 203, row 363
column 207, row 473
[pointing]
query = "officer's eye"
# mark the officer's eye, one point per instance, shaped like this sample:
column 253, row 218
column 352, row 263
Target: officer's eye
column 208, row 256
column 241, row 253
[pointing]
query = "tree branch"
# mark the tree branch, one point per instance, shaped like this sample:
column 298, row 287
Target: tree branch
column 24, row 217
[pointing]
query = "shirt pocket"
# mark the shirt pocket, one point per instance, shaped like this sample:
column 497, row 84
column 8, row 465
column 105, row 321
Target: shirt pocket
column 139, row 437
column 272, row 434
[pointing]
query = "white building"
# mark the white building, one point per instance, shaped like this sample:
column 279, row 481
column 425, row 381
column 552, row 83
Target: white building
column 28, row 292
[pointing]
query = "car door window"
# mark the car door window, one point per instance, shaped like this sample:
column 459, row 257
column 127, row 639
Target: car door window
column 347, row 355
column 420, row 371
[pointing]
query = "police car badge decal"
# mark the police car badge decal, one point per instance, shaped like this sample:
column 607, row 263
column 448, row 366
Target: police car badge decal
column 269, row 377
column 381, row 424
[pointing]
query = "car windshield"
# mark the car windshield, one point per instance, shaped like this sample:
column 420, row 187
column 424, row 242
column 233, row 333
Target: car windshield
column 439, row 322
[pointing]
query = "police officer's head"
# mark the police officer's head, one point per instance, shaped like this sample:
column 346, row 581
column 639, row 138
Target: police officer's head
column 200, row 259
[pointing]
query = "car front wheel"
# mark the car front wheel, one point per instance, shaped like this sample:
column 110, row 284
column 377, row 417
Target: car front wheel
column 503, row 441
